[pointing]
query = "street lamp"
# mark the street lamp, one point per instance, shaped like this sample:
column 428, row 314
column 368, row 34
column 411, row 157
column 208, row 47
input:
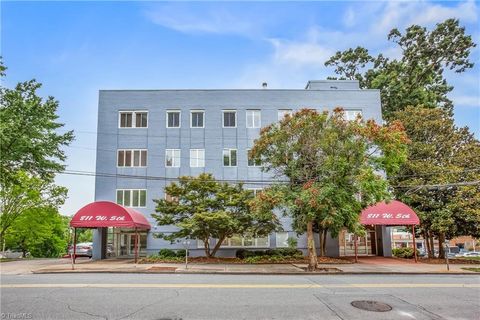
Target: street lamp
column 186, row 244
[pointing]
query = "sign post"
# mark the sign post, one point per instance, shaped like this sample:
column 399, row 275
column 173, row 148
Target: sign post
column 447, row 249
column 186, row 244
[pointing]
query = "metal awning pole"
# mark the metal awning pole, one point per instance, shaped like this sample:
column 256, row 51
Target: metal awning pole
column 74, row 244
column 136, row 245
column 414, row 243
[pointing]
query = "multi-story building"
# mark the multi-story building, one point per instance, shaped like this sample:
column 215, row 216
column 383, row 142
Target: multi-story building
column 148, row 138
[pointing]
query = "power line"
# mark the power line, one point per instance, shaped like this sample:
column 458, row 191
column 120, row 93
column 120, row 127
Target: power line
column 151, row 154
column 245, row 181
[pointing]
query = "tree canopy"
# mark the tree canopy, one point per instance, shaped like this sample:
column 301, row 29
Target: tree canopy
column 204, row 209
column 331, row 168
column 441, row 178
column 31, row 151
column 42, row 232
column 418, row 76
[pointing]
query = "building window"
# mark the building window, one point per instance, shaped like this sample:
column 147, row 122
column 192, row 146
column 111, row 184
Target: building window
column 255, row 191
column 247, row 242
column 173, row 119
column 350, row 115
column 197, row 158
column 253, row 162
column 132, row 158
column 132, row 197
column 283, row 112
column 281, row 238
column 197, row 119
column 229, row 118
column 253, row 118
column 229, row 157
column 133, row 119
column 172, row 158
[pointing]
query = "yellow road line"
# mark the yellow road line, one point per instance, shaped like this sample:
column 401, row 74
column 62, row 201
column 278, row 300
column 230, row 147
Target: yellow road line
column 239, row 286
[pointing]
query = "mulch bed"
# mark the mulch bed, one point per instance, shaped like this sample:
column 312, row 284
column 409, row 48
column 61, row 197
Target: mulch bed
column 450, row 260
column 205, row 260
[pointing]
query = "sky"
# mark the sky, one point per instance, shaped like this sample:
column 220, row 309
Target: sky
column 76, row 49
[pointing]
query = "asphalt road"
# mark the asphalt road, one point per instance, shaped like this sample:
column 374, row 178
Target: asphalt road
column 165, row 296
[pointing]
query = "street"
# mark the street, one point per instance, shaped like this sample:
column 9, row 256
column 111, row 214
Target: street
column 195, row 296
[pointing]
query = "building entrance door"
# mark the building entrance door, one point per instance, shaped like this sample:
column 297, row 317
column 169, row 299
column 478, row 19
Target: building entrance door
column 365, row 245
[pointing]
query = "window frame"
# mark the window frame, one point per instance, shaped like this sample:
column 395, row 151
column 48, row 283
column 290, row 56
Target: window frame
column 248, row 161
column 191, row 118
column 132, row 158
column 173, row 158
column 286, row 240
column 347, row 111
column 253, row 111
column 197, row 159
column 243, row 243
column 230, row 157
column 131, row 191
column 223, row 118
column 134, row 119
column 179, row 118
column 286, row 111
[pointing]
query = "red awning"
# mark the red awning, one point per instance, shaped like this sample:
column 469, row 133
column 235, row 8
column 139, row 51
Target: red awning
column 395, row 213
column 108, row 214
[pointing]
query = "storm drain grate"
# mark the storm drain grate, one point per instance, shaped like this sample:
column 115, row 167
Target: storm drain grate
column 370, row 305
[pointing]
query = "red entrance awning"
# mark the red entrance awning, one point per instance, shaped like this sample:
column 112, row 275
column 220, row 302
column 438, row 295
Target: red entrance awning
column 102, row 214
column 395, row 213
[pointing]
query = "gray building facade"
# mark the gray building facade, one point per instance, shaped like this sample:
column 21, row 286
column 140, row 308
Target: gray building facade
column 148, row 138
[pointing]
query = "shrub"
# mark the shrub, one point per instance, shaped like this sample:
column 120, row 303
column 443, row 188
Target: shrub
column 241, row 253
column 405, row 252
column 258, row 253
column 181, row 253
column 292, row 243
column 289, row 252
column 166, row 253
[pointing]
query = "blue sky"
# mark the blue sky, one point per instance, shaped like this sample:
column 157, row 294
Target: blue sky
column 78, row 48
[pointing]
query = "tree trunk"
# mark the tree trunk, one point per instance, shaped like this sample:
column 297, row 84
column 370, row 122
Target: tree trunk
column 432, row 245
column 312, row 254
column 324, row 244
column 441, row 249
column 320, row 237
column 206, row 244
column 427, row 243
column 217, row 246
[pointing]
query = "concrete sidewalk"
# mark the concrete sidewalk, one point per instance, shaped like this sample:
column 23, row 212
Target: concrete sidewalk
column 365, row 266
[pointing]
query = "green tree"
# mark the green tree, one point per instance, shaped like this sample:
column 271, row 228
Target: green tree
column 417, row 78
column 22, row 193
column 41, row 231
column 330, row 169
column 441, row 179
column 31, row 151
column 203, row 208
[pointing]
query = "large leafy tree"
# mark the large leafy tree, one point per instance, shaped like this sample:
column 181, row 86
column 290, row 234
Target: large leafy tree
column 42, row 232
column 203, row 208
column 418, row 76
column 24, row 192
column 331, row 169
column 31, row 151
column 441, row 179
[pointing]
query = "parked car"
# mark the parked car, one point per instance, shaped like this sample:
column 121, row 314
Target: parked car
column 84, row 249
column 471, row 254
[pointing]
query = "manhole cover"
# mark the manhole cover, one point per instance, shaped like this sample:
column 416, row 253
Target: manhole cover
column 371, row 305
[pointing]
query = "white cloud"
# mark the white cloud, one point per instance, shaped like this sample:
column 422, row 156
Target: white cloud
column 349, row 18
column 300, row 53
column 466, row 101
column 207, row 19
column 397, row 14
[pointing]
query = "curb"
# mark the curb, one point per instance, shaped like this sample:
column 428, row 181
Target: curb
column 253, row 273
